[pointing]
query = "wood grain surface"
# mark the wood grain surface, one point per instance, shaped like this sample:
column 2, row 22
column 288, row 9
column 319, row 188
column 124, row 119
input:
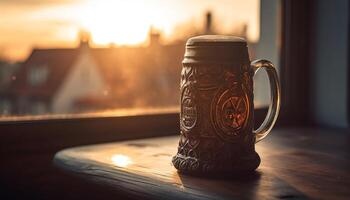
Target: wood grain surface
column 296, row 164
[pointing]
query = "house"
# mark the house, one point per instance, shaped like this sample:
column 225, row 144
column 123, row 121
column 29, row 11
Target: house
column 7, row 69
column 85, row 79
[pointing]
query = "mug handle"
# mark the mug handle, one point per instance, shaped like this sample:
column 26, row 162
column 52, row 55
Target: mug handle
column 274, row 106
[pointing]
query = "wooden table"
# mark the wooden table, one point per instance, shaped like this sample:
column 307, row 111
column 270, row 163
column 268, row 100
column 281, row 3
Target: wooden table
column 296, row 164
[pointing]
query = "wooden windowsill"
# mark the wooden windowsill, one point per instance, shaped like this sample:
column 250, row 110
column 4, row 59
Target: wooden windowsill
column 297, row 163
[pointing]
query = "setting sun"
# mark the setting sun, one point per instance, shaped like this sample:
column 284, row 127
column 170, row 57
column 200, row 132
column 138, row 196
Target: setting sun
column 121, row 22
column 128, row 22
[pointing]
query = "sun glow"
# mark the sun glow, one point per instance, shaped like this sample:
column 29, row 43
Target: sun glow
column 56, row 24
column 120, row 22
column 128, row 22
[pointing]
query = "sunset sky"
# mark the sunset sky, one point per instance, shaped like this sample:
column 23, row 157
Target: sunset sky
column 25, row 24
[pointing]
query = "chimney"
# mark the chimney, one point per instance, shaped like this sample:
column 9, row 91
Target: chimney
column 208, row 23
column 154, row 37
column 84, row 38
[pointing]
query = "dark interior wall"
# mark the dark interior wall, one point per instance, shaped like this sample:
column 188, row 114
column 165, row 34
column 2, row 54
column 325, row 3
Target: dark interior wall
column 28, row 147
column 329, row 59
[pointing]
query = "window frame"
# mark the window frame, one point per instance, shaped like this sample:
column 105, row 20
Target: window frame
column 97, row 129
column 52, row 134
column 296, row 50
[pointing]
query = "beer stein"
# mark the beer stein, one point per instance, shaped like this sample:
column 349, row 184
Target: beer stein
column 217, row 133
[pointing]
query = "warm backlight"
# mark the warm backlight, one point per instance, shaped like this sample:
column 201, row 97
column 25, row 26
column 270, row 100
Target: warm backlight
column 40, row 23
column 121, row 22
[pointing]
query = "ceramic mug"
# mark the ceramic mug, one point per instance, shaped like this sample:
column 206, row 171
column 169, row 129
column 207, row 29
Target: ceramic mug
column 217, row 107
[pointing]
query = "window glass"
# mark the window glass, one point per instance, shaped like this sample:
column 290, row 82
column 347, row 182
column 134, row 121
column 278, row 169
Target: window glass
column 37, row 75
column 82, row 56
column 5, row 106
column 38, row 107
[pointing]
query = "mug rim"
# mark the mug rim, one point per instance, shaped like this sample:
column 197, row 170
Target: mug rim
column 216, row 40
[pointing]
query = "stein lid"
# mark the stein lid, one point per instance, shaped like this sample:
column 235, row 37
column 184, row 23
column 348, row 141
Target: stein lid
column 216, row 49
column 217, row 40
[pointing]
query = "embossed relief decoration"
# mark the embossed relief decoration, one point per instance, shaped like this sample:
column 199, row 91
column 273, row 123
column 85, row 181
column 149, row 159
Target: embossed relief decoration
column 208, row 77
column 189, row 112
column 234, row 112
column 198, row 86
column 230, row 109
column 188, row 109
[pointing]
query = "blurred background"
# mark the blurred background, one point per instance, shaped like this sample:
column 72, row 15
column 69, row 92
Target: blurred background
column 88, row 56
column 81, row 72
